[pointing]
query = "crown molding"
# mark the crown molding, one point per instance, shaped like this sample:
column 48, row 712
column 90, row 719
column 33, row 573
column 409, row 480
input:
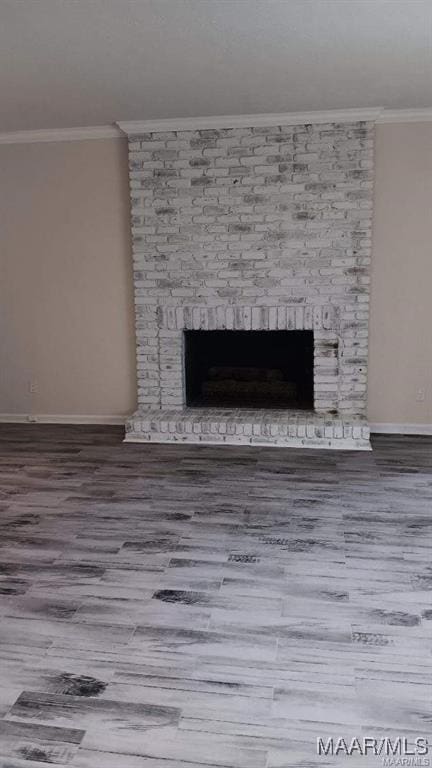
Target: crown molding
column 118, row 130
column 132, row 127
column 61, row 134
column 374, row 114
column 405, row 116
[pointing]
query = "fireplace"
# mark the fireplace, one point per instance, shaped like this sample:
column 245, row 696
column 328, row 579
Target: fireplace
column 251, row 252
column 249, row 369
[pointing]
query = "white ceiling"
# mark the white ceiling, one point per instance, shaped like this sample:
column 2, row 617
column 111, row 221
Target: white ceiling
column 67, row 63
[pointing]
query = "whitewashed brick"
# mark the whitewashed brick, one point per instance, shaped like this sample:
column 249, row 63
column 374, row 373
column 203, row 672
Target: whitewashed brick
column 280, row 240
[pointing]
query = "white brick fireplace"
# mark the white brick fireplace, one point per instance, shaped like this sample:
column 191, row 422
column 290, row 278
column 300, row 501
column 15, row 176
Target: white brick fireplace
column 252, row 228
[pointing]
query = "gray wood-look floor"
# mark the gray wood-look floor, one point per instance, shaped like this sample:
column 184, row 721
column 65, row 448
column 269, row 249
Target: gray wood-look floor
column 178, row 606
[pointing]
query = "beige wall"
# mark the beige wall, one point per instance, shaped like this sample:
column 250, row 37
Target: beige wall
column 400, row 353
column 66, row 311
column 66, row 319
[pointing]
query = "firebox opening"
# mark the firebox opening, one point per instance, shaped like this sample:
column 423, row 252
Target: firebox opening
column 249, row 369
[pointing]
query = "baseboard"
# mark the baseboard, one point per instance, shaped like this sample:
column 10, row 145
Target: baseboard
column 60, row 418
column 386, row 428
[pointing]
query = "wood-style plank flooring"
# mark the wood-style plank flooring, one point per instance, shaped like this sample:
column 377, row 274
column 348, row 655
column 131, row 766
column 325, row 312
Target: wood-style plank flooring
column 181, row 606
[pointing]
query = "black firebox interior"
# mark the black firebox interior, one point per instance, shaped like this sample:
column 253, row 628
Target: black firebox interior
column 249, row 369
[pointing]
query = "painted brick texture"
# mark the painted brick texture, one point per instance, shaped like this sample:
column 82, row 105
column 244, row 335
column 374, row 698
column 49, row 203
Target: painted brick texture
column 254, row 227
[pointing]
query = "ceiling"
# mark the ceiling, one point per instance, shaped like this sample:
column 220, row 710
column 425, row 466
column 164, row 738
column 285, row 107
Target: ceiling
column 66, row 63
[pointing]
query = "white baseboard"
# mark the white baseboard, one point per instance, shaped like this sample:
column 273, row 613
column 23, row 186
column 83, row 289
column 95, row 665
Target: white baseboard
column 387, row 428
column 60, row 418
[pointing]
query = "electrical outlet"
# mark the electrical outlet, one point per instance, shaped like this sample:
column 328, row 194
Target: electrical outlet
column 32, row 387
column 420, row 396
